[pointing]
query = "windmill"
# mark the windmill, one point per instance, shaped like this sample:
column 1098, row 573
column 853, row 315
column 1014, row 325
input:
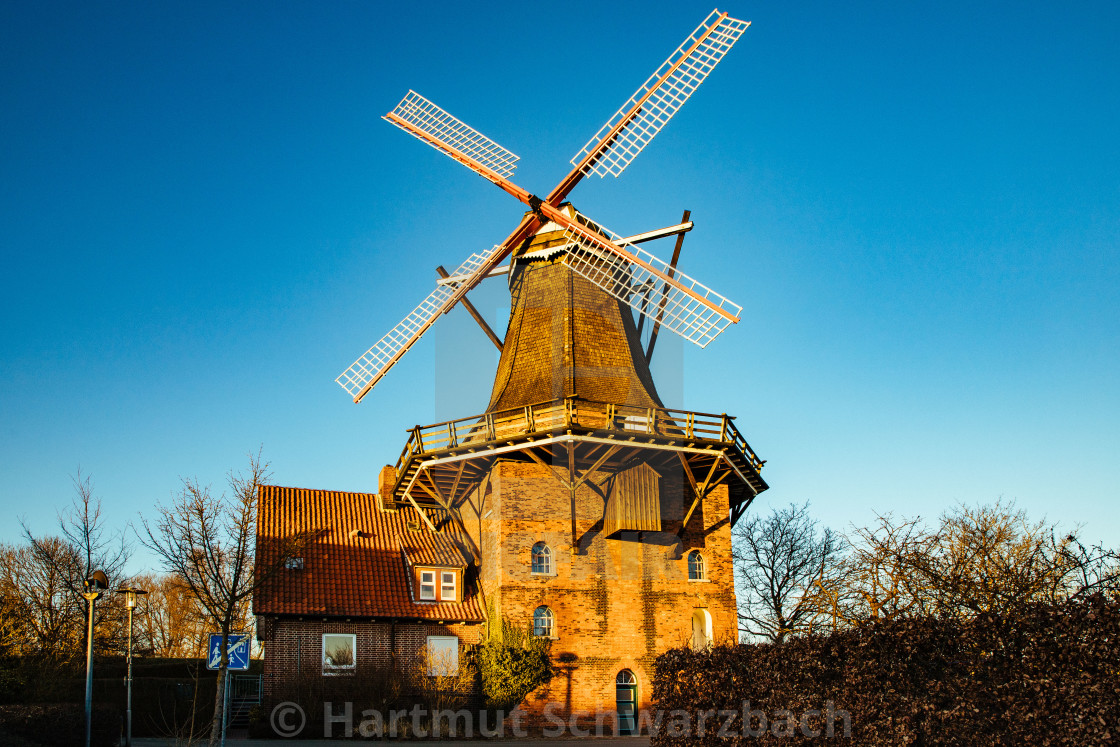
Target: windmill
column 573, row 386
column 614, row 264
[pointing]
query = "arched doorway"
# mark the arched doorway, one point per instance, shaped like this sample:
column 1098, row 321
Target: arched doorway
column 701, row 629
column 626, row 700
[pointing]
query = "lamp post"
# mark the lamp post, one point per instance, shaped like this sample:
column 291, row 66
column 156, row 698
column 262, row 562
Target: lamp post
column 131, row 599
column 95, row 584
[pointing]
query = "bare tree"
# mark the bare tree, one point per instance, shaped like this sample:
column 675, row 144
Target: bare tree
column 1089, row 570
column 208, row 543
column 978, row 559
column 49, row 576
column 13, row 632
column 879, row 578
column 169, row 621
column 783, row 562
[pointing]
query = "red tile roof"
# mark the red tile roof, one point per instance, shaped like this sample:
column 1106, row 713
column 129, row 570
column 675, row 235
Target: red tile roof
column 428, row 549
column 353, row 564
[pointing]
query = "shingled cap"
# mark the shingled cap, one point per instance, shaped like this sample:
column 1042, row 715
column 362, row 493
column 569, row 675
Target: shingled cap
column 567, row 337
column 352, row 564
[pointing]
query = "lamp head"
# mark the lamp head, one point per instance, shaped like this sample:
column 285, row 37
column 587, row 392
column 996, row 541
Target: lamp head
column 131, row 595
column 97, row 581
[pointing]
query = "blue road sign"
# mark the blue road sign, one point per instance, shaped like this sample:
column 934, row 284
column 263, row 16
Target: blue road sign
column 238, row 647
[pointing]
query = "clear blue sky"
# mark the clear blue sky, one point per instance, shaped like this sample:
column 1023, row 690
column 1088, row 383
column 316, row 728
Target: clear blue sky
column 203, row 221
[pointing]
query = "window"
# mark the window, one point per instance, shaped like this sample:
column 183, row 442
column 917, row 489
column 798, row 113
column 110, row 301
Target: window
column 443, row 656
column 447, row 586
column 293, row 564
column 542, row 622
column 542, row 559
column 428, row 585
column 696, row 571
column 626, row 696
column 338, row 652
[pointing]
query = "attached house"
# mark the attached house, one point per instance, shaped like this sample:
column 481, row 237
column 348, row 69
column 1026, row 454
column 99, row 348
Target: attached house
column 367, row 589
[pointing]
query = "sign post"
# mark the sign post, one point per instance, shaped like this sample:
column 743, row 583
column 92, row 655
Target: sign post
column 237, row 649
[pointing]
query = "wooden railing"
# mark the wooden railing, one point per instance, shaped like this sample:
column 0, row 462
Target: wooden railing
column 509, row 425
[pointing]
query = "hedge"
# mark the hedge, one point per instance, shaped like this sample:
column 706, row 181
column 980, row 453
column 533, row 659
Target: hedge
column 61, row 724
column 1049, row 675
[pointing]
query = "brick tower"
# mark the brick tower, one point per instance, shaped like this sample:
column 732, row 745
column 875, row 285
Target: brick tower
column 593, row 514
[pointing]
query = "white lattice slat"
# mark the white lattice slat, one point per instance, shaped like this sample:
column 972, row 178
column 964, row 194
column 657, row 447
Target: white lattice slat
column 363, row 373
column 659, row 98
column 677, row 301
column 427, row 117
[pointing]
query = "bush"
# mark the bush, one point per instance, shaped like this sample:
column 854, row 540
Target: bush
column 1048, row 674
column 12, row 683
column 61, row 724
column 512, row 664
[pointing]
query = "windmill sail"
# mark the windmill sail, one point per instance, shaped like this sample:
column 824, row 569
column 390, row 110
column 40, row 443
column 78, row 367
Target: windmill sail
column 686, row 306
column 427, row 122
column 363, row 373
column 651, row 107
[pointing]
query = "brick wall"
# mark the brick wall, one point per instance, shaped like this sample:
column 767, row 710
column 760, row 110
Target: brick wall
column 617, row 602
column 293, row 648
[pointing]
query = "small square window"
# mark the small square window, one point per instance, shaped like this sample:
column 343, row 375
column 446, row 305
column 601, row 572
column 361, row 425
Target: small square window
column 339, row 652
column 447, row 586
column 443, row 656
column 428, row 585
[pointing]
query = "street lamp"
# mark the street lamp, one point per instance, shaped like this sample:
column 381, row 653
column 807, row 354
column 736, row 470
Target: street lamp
column 95, row 584
column 131, row 599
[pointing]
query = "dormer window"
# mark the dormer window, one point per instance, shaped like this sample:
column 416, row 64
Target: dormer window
column 428, row 585
column 435, row 565
column 438, row 584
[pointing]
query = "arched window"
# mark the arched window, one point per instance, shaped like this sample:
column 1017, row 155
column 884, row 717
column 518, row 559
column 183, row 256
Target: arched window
column 696, row 570
column 542, row 622
column 626, row 697
column 542, row 559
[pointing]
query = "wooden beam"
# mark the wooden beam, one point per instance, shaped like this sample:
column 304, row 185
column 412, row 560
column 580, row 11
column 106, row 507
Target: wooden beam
column 638, row 238
column 704, row 485
column 548, row 466
column 701, row 490
column 476, row 316
column 455, row 485
column 572, row 492
column 688, row 473
column 587, row 473
column 452, row 514
column 420, row 511
column 672, row 269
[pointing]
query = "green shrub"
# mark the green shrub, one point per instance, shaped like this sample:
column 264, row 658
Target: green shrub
column 512, row 663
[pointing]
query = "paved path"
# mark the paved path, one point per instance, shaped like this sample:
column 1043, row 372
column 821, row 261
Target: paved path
column 561, row 742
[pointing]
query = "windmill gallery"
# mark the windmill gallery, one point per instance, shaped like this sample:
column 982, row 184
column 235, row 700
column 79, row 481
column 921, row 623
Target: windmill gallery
column 577, row 505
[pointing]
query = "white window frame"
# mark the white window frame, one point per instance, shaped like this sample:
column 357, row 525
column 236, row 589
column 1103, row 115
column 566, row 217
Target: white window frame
column 443, row 656
column 703, row 566
column 444, row 586
column 431, row 583
column 330, row 668
column 551, row 617
column 546, row 554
